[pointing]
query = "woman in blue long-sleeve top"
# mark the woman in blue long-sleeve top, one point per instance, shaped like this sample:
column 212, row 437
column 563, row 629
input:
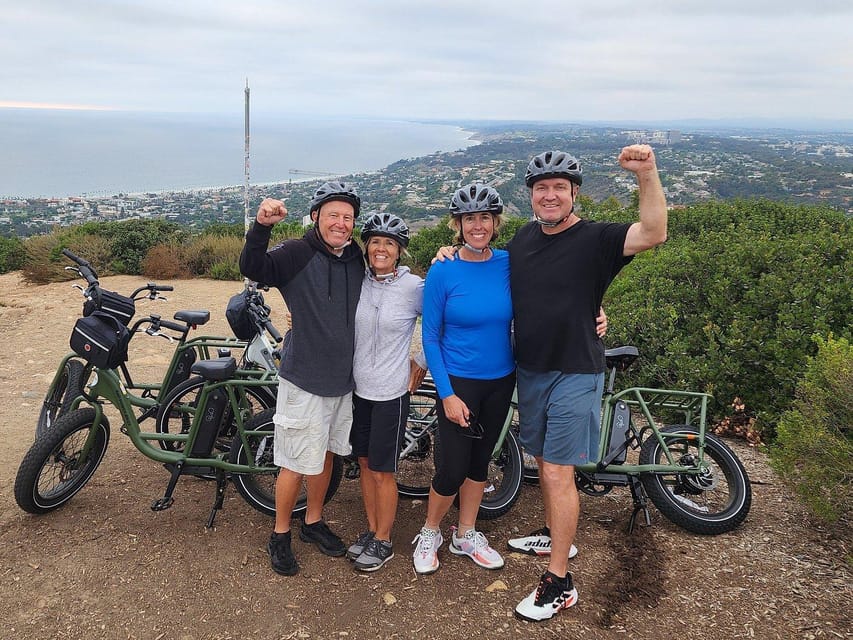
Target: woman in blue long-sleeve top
column 467, row 316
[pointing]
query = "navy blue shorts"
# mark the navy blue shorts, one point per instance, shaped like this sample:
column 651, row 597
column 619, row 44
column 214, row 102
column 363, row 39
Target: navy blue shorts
column 378, row 427
column 559, row 415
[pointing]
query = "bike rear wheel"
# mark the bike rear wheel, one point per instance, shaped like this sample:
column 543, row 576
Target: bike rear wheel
column 712, row 502
column 258, row 489
column 503, row 484
column 178, row 408
column 416, row 466
column 59, row 399
column 53, row 470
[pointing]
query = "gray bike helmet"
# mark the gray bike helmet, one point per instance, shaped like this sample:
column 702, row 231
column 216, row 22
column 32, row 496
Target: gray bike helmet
column 476, row 198
column 554, row 164
column 334, row 190
column 387, row 225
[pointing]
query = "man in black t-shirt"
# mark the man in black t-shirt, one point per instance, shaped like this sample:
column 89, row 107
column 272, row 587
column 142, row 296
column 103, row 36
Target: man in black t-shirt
column 560, row 267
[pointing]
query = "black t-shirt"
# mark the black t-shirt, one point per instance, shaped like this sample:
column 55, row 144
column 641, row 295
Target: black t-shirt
column 557, row 284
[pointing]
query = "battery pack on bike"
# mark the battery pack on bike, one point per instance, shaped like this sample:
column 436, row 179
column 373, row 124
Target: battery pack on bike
column 210, row 421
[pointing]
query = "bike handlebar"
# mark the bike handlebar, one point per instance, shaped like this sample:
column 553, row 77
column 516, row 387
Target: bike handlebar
column 83, row 267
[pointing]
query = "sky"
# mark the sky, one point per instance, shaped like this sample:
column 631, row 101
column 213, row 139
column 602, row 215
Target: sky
column 566, row 60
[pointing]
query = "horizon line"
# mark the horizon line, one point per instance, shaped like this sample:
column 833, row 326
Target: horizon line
column 12, row 104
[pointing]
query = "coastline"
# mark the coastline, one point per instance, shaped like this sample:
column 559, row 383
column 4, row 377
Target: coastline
column 58, row 156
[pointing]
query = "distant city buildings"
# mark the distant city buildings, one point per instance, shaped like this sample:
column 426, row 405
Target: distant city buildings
column 654, row 138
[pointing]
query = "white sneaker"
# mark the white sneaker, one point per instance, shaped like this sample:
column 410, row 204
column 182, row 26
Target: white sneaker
column 474, row 545
column 537, row 543
column 548, row 598
column 426, row 553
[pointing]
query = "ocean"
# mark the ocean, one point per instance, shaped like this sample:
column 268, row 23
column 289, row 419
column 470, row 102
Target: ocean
column 97, row 153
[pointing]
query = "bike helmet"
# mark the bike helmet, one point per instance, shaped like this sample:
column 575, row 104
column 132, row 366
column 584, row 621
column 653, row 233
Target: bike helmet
column 387, row 225
column 334, row 190
column 553, row 164
column 476, row 198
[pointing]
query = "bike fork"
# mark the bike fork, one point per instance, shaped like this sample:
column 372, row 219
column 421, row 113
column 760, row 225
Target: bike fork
column 641, row 503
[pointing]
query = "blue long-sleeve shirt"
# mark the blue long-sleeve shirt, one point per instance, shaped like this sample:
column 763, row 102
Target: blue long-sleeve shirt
column 466, row 320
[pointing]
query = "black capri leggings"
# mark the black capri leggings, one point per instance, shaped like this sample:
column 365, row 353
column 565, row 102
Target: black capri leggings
column 463, row 457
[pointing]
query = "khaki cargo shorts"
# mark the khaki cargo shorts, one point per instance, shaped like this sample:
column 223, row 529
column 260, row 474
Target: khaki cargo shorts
column 306, row 426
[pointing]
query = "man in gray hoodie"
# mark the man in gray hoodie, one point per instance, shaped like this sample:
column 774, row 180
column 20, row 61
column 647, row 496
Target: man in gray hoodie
column 320, row 277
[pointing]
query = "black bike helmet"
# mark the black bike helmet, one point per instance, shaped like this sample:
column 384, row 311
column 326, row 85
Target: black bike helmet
column 476, row 198
column 387, row 225
column 335, row 191
column 554, row 164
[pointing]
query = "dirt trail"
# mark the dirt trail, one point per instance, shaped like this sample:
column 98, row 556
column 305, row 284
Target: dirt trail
column 106, row 566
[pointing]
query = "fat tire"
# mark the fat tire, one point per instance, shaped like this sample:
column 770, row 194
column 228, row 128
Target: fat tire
column 258, row 489
column 416, row 470
column 687, row 511
column 263, row 396
column 58, row 401
column 44, row 480
column 503, row 486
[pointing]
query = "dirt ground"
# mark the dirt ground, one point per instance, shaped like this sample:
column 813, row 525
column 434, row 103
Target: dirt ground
column 106, row 566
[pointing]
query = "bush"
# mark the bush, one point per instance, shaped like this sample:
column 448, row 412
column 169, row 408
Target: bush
column 12, row 254
column 207, row 251
column 165, row 261
column 814, row 443
column 729, row 303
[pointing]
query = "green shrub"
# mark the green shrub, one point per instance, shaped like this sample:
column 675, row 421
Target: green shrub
column 814, row 443
column 12, row 254
column 207, row 250
column 729, row 304
column 225, row 271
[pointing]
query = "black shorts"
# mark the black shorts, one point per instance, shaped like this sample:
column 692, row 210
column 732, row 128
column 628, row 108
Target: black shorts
column 378, row 427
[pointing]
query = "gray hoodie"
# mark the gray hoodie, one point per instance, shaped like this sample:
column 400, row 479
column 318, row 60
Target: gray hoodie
column 385, row 321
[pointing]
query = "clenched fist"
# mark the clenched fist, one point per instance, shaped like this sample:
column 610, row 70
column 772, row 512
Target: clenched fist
column 270, row 212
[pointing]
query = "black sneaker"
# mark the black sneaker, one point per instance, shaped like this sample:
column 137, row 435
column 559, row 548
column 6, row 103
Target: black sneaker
column 320, row 534
column 360, row 543
column 375, row 554
column 281, row 557
column 551, row 596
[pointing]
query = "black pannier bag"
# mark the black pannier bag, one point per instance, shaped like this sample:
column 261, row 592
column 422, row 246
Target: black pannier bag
column 237, row 314
column 100, row 339
column 119, row 306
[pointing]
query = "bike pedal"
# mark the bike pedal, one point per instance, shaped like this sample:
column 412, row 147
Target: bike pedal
column 161, row 504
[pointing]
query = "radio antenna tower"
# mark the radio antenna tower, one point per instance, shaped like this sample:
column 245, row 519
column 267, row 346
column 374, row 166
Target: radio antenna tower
column 246, row 220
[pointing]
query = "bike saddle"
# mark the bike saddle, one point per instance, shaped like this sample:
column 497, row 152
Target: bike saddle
column 190, row 316
column 215, row 368
column 621, row 357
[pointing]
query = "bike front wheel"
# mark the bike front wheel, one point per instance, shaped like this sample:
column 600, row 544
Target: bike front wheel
column 258, row 489
column 709, row 503
column 68, row 385
column 57, row 466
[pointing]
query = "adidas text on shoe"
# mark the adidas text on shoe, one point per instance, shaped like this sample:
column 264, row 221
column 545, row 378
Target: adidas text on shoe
column 358, row 546
column 375, row 554
column 425, row 558
column 281, row 557
column 537, row 543
column 474, row 545
column 319, row 533
column 551, row 596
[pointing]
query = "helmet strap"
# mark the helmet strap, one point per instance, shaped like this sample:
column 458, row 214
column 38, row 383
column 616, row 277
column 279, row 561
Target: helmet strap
column 473, row 250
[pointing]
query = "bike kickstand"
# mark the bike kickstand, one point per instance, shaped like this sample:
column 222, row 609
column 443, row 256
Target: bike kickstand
column 221, row 483
column 167, row 500
column 638, row 493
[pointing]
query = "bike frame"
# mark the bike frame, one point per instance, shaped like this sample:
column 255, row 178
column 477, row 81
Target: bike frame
column 106, row 385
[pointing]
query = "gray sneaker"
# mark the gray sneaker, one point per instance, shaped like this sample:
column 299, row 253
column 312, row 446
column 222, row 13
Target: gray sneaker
column 375, row 554
column 358, row 546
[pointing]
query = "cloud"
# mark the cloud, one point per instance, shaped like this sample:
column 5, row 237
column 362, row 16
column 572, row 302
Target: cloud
column 462, row 59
